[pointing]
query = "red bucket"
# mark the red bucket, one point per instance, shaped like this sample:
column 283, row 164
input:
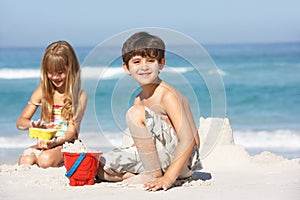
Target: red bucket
column 81, row 167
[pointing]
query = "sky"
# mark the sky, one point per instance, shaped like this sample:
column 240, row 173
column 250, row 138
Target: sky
column 89, row 22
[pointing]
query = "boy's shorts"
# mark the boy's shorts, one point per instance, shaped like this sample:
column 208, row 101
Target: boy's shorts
column 126, row 159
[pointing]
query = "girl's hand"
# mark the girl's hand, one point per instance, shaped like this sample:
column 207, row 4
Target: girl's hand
column 158, row 184
column 41, row 144
column 46, row 144
column 51, row 125
column 38, row 124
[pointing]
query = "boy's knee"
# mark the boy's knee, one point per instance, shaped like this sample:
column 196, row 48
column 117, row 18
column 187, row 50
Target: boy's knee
column 136, row 115
column 136, row 122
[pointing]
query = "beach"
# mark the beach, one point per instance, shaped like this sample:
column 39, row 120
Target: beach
column 258, row 90
column 237, row 65
column 257, row 153
column 228, row 172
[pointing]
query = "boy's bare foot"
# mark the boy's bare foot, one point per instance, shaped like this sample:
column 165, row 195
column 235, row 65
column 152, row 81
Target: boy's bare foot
column 139, row 179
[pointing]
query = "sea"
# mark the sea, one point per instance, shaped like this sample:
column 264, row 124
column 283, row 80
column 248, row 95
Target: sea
column 255, row 86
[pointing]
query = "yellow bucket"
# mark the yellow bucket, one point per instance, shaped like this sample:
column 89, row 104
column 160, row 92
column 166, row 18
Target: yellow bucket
column 44, row 134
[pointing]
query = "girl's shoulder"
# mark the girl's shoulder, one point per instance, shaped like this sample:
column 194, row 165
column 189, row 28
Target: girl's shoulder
column 83, row 93
column 83, row 96
column 38, row 90
column 36, row 97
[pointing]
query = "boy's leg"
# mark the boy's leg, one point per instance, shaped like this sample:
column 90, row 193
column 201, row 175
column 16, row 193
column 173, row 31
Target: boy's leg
column 120, row 164
column 103, row 175
column 143, row 141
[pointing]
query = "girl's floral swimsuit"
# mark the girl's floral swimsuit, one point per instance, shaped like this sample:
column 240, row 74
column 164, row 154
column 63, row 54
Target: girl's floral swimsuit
column 57, row 121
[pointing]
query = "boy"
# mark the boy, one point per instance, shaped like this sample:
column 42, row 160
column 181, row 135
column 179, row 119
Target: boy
column 165, row 136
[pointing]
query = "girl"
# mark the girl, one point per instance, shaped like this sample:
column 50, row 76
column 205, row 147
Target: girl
column 62, row 104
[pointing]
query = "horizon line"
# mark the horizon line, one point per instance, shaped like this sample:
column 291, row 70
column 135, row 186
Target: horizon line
column 204, row 44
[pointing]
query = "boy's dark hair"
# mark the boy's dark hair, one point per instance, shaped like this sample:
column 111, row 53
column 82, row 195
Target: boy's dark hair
column 145, row 45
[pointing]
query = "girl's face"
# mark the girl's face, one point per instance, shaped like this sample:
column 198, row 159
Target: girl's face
column 58, row 78
column 144, row 70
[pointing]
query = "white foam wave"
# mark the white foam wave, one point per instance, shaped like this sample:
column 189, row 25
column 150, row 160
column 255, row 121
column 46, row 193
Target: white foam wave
column 93, row 140
column 111, row 72
column 88, row 72
column 217, row 71
column 101, row 72
column 97, row 140
column 6, row 73
column 177, row 69
column 17, row 141
column 277, row 139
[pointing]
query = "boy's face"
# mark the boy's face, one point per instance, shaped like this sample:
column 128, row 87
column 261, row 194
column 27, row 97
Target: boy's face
column 144, row 70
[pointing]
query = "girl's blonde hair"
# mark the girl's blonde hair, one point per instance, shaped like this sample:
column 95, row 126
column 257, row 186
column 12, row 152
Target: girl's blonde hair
column 60, row 56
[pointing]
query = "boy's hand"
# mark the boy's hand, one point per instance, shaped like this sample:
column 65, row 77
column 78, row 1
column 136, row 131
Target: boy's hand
column 158, row 184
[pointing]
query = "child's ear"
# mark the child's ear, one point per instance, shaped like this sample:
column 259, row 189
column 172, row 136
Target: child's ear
column 125, row 68
column 162, row 63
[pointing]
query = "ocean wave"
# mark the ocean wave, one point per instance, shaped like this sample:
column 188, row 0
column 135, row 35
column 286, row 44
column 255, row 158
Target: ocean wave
column 16, row 141
column 87, row 72
column 277, row 139
column 6, row 73
column 217, row 71
column 101, row 72
column 112, row 72
column 93, row 140
column 177, row 69
column 274, row 140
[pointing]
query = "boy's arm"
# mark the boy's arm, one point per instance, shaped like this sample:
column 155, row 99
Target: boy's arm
column 192, row 123
column 180, row 120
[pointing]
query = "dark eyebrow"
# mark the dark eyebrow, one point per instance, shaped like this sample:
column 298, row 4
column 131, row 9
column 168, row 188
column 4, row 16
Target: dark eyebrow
column 136, row 58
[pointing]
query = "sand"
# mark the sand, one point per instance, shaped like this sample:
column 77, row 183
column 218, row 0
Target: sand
column 229, row 172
